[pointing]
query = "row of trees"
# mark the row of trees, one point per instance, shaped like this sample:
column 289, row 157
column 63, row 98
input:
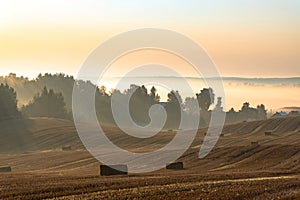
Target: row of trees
column 49, row 103
column 141, row 100
column 44, row 104
column 246, row 113
column 26, row 89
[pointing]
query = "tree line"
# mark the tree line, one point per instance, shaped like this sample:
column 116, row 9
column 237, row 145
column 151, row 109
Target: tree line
column 52, row 97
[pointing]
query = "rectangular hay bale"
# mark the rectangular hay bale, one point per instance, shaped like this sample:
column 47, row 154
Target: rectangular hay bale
column 66, row 148
column 5, row 169
column 111, row 170
column 268, row 133
column 176, row 165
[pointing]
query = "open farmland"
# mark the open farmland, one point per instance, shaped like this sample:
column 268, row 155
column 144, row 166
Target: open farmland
column 235, row 169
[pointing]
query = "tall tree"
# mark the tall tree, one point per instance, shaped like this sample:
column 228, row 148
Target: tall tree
column 173, row 108
column 205, row 98
column 8, row 103
column 219, row 105
column 262, row 112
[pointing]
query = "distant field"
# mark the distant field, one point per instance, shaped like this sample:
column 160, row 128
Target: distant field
column 235, row 169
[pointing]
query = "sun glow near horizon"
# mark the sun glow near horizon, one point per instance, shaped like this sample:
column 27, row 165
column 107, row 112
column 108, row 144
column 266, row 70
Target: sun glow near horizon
column 253, row 39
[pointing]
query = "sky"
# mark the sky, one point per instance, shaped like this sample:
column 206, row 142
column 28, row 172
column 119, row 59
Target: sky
column 245, row 38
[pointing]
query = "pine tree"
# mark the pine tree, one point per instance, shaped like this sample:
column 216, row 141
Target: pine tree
column 8, row 103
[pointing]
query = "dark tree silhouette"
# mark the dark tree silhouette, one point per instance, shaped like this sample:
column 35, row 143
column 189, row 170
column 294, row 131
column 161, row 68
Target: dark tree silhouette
column 46, row 104
column 219, row 105
column 103, row 105
column 246, row 107
column 206, row 98
column 141, row 102
column 247, row 113
column 8, row 103
column 155, row 97
column 173, row 108
column 262, row 112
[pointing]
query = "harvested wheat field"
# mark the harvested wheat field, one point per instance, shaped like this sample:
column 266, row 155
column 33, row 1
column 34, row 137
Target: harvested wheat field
column 245, row 164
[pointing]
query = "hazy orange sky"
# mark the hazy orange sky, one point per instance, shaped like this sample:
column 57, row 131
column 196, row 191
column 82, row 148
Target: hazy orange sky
column 245, row 38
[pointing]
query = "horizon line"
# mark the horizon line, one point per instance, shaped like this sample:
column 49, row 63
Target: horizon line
column 149, row 76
